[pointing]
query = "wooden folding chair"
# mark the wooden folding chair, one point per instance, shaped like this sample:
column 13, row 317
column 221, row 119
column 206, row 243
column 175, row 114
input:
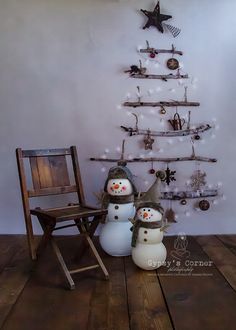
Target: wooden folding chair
column 50, row 176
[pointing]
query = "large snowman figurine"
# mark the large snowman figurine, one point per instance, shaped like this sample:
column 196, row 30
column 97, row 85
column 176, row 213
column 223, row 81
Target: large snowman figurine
column 115, row 237
column 148, row 251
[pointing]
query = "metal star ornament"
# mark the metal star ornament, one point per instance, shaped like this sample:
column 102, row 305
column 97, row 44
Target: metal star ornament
column 155, row 18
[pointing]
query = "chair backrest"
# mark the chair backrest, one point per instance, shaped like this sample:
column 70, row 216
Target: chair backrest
column 49, row 173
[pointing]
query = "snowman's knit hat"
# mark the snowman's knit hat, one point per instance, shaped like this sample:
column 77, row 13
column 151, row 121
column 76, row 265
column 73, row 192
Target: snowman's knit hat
column 151, row 197
column 120, row 172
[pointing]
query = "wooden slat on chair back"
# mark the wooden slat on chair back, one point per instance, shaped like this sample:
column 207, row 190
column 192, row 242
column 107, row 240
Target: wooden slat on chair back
column 50, row 173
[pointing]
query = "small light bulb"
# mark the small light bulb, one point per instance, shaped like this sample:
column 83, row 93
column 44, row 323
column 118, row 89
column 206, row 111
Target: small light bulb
column 103, row 156
column 103, row 169
column 187, row 213
column 118, row 149
column 176, row 216
column 219, row 184
column 107, row 150
column 128, row 95
column 146, row 182
column 130, row 156
column 210, row 186
column 215, row 202
column 188, row 182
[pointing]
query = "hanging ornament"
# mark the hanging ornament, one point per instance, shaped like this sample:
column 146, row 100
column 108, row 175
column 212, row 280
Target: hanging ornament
column 198, row 180
column 177, row 122
column 134, row 69
column 170, row 214
column 148, row 141
column 162, row 110
column 155, row 18
column 197, row 137
column 183, row 202
column 204, row 205
column 169, row 176
column 152, row 171
column 172, row 63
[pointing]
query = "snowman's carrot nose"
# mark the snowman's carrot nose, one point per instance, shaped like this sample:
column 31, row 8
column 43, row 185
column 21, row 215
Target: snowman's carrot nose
column 116, row 186
column 145, row 214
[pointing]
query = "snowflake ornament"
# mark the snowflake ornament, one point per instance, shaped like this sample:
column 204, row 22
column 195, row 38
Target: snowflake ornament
column 198, row 180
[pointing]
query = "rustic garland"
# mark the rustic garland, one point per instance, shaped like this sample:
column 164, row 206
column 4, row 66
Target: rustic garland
column 161, row 104
column 193, row 131
column 154, row 159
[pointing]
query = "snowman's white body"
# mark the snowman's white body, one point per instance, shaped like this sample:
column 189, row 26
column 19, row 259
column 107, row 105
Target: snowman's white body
column 115, row 236
column 149, row 252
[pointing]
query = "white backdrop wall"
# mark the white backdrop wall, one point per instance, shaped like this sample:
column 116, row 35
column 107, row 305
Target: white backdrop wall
column 62, row 81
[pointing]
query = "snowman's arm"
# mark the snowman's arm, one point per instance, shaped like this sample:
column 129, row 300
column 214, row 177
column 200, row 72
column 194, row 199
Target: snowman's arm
column 132, row 220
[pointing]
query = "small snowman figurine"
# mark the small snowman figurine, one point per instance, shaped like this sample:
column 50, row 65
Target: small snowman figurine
column 148, row 251
column 115, row 236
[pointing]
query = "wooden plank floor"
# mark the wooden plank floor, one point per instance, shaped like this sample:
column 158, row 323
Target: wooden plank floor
column 196, row 289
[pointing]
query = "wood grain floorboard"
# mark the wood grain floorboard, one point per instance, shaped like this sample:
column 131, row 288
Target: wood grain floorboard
column 223, row 258
column 200, row 298
column 147, row 307
column 229, row 241
column 9, row 244
column 14, row 276
column 108, row 305
column 46, row 304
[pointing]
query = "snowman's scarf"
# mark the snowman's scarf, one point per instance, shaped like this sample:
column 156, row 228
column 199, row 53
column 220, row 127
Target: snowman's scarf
column 121, row 199
column 138, row 224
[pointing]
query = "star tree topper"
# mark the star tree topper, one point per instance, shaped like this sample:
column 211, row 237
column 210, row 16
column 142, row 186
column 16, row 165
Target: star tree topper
column 155, row 18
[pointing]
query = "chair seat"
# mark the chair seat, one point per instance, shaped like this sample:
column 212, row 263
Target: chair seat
column 68, row 212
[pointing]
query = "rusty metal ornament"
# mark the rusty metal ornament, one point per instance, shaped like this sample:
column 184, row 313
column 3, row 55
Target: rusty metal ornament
column 204, row 205
column 148, row 141
column 177, row 123
column 162, row 110
column 172, row 63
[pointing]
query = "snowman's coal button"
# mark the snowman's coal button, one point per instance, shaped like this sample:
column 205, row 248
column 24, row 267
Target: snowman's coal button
column 145, row 240
column 116, row 217
column 145, row 231
column 116, row 207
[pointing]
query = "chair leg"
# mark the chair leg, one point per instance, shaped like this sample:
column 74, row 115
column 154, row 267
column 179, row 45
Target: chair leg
column 64, row 268
column 97, row 256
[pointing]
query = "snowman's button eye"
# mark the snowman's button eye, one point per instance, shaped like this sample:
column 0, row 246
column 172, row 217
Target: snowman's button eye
column 120, row 182
column 144, row 209
column 149, row 210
